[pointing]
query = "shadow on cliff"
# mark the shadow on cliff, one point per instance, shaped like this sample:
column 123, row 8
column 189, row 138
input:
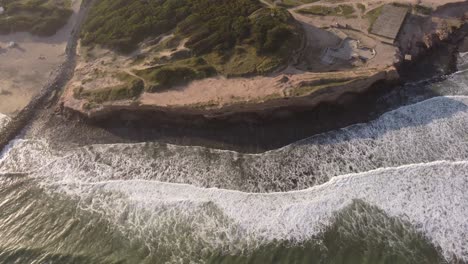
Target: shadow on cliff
column 259, row 132
column 415, row 115
column 255, row 133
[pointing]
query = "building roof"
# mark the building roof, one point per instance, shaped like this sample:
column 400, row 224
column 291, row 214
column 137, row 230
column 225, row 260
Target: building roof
column 389, row 23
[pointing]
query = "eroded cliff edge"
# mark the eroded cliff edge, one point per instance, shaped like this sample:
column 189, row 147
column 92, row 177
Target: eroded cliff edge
column 307, row 80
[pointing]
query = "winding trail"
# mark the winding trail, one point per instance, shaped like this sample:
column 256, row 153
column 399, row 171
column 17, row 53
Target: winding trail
column 50, row 91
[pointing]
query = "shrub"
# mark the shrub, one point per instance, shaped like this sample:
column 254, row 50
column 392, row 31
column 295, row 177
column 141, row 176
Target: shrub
column 168, row 76
column 210, row 25
column 425, row 10
column 39, row 17
column 341, row 10
column 129, row 90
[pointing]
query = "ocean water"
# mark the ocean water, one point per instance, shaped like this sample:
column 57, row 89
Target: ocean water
column 393, row 190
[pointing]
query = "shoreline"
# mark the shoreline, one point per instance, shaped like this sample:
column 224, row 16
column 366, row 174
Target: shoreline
column 279, row 107
column 280, row 95
column 51, row 90
column 243, row 133
column 247, row 132
column 251, row 132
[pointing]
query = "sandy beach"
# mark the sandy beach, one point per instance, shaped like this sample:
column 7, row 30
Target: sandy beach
column 26, row 67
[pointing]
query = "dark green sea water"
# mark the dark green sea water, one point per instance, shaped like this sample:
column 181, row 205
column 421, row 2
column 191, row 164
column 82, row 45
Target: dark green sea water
column 393, row 190
column 40, row 228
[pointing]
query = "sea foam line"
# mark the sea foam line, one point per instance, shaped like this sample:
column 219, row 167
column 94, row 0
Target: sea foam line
column 417, row 193
column 401, row 137
column 430, row 196
column 432, row 130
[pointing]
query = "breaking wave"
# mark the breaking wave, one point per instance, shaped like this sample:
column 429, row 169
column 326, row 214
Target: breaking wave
column 424, row 132
column 413, row 193
column 397, row 184
column 167, row 196
column 181, row 221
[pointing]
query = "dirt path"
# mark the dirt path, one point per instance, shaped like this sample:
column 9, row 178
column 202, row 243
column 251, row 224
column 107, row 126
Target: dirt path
column 50, row 91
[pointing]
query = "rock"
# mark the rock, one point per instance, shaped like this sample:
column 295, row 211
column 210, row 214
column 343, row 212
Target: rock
column 284, row 79
column 12, row 44
column 464, row 45
column 4, row 92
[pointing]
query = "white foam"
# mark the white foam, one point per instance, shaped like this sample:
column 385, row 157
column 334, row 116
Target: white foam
column 4, row 120
column 24, row 156
column 432, row 197
column 428, row 131
column 126, row 182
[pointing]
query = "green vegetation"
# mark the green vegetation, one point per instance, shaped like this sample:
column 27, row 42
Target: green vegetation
column 401, row 5
column 229, row 37
column 418, row 9
column 178, row 73
column 39, row 17
column 131, row 88
column 210, row 25
column 361, row 7
column 122, row 25
column 322, row 84
column 273, row 37
column 373, row 15
column 424, row 10
column 318, row 10
column 243, row 61
column 294, row 3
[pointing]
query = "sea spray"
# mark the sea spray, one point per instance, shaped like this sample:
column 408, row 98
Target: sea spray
column 59, row 232
column 190, row 218
column 428, row 131
column 139, row 195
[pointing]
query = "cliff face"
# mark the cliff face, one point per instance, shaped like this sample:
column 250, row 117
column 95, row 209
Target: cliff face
column 432, row 42
column 306, row 91
column 220, row 97
column 421, row 34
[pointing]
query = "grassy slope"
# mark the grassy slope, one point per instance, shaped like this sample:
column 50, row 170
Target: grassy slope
column 230, row 37
column 130, row 87
column 39, row 17
column 294, row 3
column 318, row 10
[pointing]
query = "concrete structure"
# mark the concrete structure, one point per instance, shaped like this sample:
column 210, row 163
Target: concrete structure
column 390, row 21
column 349, row 50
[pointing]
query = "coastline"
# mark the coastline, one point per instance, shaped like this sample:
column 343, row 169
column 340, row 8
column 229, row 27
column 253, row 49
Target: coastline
column 266, row 107
column 254, row 132
column 51, row 90
column 282, row 94
column 244, row 131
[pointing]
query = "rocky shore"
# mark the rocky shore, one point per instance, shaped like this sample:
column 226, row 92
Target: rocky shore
column 246, row 127
column 249, row 132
